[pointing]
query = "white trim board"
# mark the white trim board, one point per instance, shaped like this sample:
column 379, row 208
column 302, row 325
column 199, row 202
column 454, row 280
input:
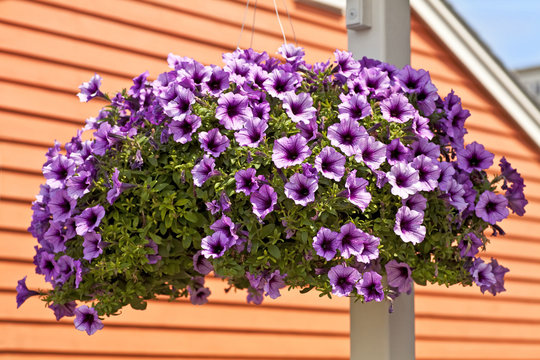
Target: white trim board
column 481, row 63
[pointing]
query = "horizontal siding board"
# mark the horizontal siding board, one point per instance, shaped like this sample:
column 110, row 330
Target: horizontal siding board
column 474, row 348
column 17, row 245
column 18, row 186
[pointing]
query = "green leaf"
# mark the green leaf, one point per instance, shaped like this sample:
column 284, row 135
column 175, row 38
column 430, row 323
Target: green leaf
column 191, row 217
column 186, row 241
column 267, row 230
column 274, row 251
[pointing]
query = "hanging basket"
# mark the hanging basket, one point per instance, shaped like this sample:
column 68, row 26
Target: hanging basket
column 349, row 177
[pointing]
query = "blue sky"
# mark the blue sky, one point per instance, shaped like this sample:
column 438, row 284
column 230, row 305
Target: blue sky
column 511, row 28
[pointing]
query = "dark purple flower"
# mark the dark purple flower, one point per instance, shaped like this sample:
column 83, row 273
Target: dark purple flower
column 299, row 107
column 404, row 180
column 90, row 89
column 139, row 84
column 60, row 205
column 309, row 171
column 396, row 152
column 180, row 106
column 428, row 172
column 350, row 240
column 474, row 157
column 246, row 181
column 89, row 219
column 48, row 266
column 397, row 108
column 420, row 126
column 409, row 226
column 281, row 82
column 370, row 250
column 58, row 171
column 411, row 80
column 456, row 193
column 273, row 283
column 469, row 245
column 213, row 142
column 330, row 163
column 105, row 137
column 343, row 279
column 252, row 133
column 446, row 176
column 203, row 171
column 371, row 152
column 416, row 202
column 183, row 129
column 498, row 271
column 217, row 82
column 516, row 198
column 116, row 189
column 356, row 191
column 86, row 319
column 370, row 286
column 491, row 207
column 373, row 82
column 290, row 151
column 346, row 63
column 354, row 107
column 56, row 237
column 257, row 76
column 308, row 131
column 215, row 245
column 201, row 264
column 227, row 227
column 154, row 256
column 426, row 98
column 79, row 185
column 61, row 310
column 425, row 147
column 238, row 70
column 301, row 189
column 346, row 135
column 261, row 110
column 482, row 274
column 263, row 201
column 233, row 111
column 325, row 243
column 398, row 275
column 198, row 296
column 91, row 246
column 66, row 266
column 509, row 173
column 22, row 292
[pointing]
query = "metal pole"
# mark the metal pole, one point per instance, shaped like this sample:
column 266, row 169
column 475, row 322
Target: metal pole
column 380, row 29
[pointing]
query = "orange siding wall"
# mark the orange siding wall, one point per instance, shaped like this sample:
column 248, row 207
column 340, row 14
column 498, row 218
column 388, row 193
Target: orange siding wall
column 47, row 48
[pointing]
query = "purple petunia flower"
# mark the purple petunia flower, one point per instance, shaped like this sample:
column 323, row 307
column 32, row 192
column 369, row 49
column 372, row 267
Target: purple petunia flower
column 56, row 237
column 86, row 319
column 116, row 189
column 227, row 227
column 299, row 107
column 469, row 245
column 356, row 191
column 291, row 53
column 105, row 137
column 217, row 82
column 198, row 296
column 409, row 226
column 79, row 185
column 139, row 84
column 60, row 205
column 61, row 310
column 370, row 286
column 180, row 106
column 90, row 89
column 397, row 108
column 281, row 82
column 204, row 170
column 516, row 198
column 411, row 80
column 330, row 163
column 91, row 246
column 425, row 147
column 246, row 181
column 273, row 283
column 346, row 64
column 252, row 133
column 350, row 240
column 58, row 171
column 215, row 245
column 325, row 243
column 428, row 172
column 346, row 135
column 474, row 157
column 201, row 264
column 263, row 201
column 23, row 293
column 183, row 128
column 491, row 207
column 308, row 131
column 290, row 151
column 482, row 274
column 371, row 152
column 398, row 275
column 498, row 271
column 416, row 202
column 355, row 107
column 301, row 189
column 233, row 111
column 396, row 152
column 89, row 219
column 47, row 266
column 404, row 180
column 343, row 279
column 370, row 250
column 509, row 173
column 420, row 126
column 213, row 142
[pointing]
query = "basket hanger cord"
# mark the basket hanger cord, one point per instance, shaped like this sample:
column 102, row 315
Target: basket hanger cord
column 253, row 23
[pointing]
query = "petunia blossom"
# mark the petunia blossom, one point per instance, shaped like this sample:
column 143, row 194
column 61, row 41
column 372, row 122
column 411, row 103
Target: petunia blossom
column 370, row 286
column 89, row 219
column 213, row 142
column 346, row 135
column 301, row 189
column 491, row 207
column 408, row 225
column 290, row 151
column 325, row 243
column 398, row 275
column 343, row 279
column 263, row 201
column 356, row 192
column 86, row 319
column 183, row 128
column 330, row 163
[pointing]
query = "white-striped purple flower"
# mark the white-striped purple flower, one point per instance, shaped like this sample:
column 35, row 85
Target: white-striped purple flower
column 396, row 152
column 263, row 201
column 89, row 219
column 370, row 286
column 404, row 180
column 252, row 133
column 301, row 189
column 182, row 128
column 330, row 163
column 428, row 172
column 90, row 89
column 325, row 243
column 299, row 107
column 354, row 107
column 290, row 151
column 396, row 108
column 180, row 106
column 213, row 142
column 215, row 245
column 371, row 152
column 233, row 111
column 409, row 226
column 204, row 170
column 356, row 191
column 246, row 181
column 343, row 279
column 350, row 240
column 58, row 171
column 346, row 135
column 370, row 250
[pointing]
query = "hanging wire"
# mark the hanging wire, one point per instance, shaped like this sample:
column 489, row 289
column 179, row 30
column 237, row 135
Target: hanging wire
column 290, row 22
column 279, row 22
column 243, row 23
column 253, row 24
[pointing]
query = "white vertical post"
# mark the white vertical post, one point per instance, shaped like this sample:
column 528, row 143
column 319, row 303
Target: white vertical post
column 380, row 29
